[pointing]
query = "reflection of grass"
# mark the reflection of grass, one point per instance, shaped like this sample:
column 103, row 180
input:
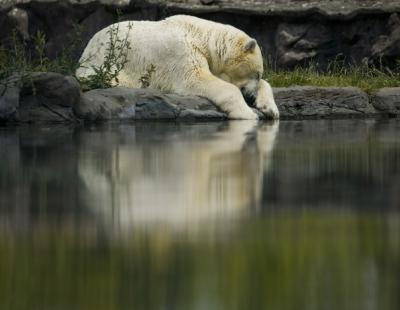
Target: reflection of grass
column 308, row 260
column 364, row 77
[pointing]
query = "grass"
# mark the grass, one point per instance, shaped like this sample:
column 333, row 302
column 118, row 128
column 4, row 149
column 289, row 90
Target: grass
column 364, row 77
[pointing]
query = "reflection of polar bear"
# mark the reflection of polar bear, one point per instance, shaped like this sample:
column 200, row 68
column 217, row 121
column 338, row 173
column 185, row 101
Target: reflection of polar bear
column 177, row 177
column 191, row 57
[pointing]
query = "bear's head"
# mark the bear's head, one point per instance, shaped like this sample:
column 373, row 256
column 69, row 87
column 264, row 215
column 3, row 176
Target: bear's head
column 243, row 67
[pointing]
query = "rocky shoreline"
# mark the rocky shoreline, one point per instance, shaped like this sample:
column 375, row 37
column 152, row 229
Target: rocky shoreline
column 55, row 98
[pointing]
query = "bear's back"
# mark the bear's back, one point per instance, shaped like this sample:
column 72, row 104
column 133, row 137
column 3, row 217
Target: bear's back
column 188, row 22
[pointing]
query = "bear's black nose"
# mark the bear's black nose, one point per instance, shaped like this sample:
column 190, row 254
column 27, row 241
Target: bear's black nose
column 248, row 97
column 251, row 101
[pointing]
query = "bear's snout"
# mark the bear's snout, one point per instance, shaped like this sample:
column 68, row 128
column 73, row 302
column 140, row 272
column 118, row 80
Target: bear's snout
column 248, row 96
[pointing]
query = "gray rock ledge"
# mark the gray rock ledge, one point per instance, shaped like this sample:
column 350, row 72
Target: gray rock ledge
column 52, row 97
column 387, row 100
column 38, row 97
column 323, row 102
column 121, row 103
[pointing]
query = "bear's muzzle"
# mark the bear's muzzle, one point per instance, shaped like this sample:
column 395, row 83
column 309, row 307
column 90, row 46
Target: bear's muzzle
column 249, row 97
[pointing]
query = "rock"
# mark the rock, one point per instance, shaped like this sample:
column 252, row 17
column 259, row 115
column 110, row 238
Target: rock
column 152, row 104
column 21, row 20
column 9, row 102
column 107, row 104
column 333, row 8
column 387, row 46
column 51, row 97
column 195, row 108
column 6, row 4
column 322, row 102
column 199, row 115
column 387, row 100
column 58, row 89
column 341, row 9
column 207, row 2
column 39, row 97
column 59, row 23
column 122, row 103
column 296, row 43
column 95, row 21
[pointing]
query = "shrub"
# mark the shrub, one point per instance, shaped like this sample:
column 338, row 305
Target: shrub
column 115, row 59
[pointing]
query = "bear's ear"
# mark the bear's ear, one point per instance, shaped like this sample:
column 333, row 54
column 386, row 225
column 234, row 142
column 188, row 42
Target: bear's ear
column 250, row 46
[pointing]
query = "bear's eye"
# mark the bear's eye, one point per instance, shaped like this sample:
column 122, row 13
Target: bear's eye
column 257, row 76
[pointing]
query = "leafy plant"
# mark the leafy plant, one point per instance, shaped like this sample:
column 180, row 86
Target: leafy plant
column 115, row 59
column 15, row 63
column 39, row 40
column 13, row 58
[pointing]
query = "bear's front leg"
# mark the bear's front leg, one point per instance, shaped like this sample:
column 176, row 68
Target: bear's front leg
column 227, row 97
column 265, row 100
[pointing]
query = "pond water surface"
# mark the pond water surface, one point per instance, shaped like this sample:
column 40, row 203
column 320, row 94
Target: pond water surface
column 233, row 215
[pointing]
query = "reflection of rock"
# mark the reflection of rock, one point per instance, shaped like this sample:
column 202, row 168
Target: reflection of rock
column 207, row 175
column 38, row 177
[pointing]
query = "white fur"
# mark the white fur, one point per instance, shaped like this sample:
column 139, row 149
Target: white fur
column 191, row 56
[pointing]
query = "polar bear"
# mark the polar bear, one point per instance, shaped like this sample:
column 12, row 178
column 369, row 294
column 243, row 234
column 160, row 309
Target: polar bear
column 191, row 56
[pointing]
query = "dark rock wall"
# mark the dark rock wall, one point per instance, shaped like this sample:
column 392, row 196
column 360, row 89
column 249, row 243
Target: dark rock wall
column 290, row 41
column 287, row 39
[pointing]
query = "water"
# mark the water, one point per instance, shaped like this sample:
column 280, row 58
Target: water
column 238, row 215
